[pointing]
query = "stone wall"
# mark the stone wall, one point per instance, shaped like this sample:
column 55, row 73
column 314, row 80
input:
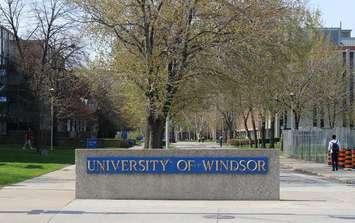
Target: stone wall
column 178, row 186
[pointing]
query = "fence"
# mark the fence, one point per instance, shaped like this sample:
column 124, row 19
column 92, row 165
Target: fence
column 312, row 144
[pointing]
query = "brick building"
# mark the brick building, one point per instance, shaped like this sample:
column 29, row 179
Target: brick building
column 17, row 112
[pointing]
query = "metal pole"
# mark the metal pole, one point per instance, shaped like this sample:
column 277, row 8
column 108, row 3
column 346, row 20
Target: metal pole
column 293, row 120
column 167, row 132
column 52, row 121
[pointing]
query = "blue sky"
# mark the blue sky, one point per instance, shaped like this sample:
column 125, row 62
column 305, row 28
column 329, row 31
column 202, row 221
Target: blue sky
column 334, row 11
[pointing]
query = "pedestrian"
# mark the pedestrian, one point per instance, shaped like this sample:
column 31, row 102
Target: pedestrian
column 333, row 149
column 220, row 140
column 28, row 139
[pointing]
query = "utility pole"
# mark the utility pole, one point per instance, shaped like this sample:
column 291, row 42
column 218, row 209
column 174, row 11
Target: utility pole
column 51, row 91
column 167, row 132
column 292, row 95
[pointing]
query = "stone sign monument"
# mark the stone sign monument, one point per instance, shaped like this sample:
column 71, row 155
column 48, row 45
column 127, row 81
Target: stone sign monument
column 225, row 174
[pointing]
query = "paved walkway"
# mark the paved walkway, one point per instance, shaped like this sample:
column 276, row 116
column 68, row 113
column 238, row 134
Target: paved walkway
column 37, row 200
column 319, row 169
column 192, row 145
column 304, row 198
column 311, row 168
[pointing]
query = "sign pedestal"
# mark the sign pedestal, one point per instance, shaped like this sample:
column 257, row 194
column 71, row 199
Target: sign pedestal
column 225, row 174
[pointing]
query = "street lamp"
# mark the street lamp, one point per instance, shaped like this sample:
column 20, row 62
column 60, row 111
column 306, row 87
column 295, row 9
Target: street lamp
column 167, row 132
column 51, row 93
column 292, row 95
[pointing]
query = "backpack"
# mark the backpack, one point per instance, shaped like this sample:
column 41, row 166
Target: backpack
column 335, row 147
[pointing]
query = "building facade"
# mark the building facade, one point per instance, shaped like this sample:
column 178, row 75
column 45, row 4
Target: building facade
column 17, row 111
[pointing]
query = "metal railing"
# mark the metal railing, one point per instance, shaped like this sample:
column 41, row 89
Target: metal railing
column 312, row 144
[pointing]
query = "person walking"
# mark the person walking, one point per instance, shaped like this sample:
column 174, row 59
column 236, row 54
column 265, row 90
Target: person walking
column 220, row 141
column 333, row 149
column 28, row 139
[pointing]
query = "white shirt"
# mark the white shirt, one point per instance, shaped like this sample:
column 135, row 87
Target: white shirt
column 330, row 146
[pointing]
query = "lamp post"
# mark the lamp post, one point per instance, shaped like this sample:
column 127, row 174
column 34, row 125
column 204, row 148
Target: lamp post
column 221, row 137
column 167, row 132
column 292, row 95
column 51, row 92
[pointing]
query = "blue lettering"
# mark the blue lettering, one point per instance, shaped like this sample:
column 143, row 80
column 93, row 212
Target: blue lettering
column 177, row 165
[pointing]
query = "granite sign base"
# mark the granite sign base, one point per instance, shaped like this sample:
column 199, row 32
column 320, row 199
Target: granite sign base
column 222, row 174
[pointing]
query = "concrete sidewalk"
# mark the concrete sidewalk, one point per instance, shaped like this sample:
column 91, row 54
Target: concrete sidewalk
column 304, row 198
column 39, row 199
column 319, row 169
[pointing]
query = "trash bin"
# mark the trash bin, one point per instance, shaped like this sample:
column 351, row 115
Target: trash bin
column 91, row 143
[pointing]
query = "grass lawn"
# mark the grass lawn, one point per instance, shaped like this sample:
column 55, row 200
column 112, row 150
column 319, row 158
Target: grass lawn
column 17, row 165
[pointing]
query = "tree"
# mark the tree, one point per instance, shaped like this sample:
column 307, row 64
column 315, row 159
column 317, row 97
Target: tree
column 158, row 41
column 295, row 79
column 45, row 51
column 330, row 88
column 253, row 64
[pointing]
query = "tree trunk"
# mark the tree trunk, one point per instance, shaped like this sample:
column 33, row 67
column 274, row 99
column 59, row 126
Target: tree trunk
column 155, row 132
column 181, row 134
column 272, row 131
column 263, row 131
column 334, row 115
column 173, row 135
column 228, row 131
column 231, row 135
column 245, row 120
column 146, row 138
column 213, row 134
column 225, row 134
column 297, row 120
column 254, row 129
column 248, row 132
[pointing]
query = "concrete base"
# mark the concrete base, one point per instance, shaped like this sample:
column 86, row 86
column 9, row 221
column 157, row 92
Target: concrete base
column 177, row 186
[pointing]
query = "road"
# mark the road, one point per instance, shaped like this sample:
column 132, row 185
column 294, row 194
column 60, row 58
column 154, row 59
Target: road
column 304, row 198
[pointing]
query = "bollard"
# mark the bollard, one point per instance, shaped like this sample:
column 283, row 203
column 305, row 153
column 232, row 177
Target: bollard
column 341, row 158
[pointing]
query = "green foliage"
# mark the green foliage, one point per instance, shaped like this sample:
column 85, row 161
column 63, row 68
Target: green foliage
column 134, row 135
column 197, row 61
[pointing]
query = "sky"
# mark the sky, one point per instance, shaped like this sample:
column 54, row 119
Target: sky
column 336, row 11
